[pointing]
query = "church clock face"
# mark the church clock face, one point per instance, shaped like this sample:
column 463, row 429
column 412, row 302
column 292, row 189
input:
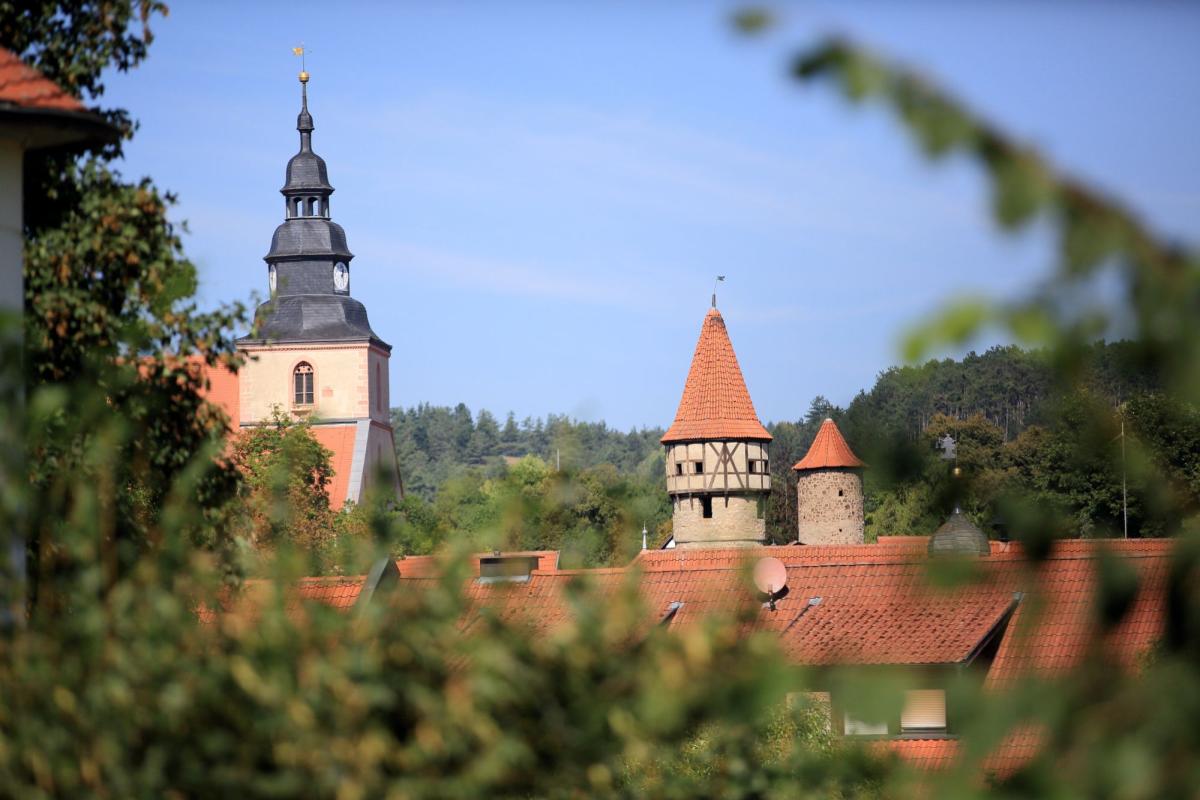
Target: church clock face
column 341, row 277
column 272, row 277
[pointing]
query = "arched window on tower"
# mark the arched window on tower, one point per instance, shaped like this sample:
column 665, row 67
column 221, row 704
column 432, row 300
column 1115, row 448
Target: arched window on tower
column 378, row 389
column 302, row 384
column 312, row 206
column 299, row 207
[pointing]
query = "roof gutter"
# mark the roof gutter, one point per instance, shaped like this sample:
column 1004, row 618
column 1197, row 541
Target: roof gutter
column 44, row 128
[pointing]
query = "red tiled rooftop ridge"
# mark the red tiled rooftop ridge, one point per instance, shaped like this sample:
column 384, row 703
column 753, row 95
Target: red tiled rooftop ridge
column 715, row 402
column 829, row 449
column 23, row 86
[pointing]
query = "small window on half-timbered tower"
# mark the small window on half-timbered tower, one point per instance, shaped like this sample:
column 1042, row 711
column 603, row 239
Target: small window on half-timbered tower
column 698, row 467
column 706, row 507
column 678, row 467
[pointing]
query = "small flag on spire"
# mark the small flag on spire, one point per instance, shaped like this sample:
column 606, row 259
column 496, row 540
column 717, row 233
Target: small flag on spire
column 297, row 51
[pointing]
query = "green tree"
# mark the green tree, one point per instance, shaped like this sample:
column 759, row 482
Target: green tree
column 109, row 305
column 287, row 476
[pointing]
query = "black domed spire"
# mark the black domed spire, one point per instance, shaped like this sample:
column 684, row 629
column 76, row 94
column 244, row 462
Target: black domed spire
column 306, row 173
column 308, row 266
column 304, row 122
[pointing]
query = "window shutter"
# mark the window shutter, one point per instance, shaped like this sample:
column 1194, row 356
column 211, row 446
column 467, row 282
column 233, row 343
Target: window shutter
column 924, row 710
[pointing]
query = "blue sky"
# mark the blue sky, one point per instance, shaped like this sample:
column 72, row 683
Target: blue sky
column 539, row 195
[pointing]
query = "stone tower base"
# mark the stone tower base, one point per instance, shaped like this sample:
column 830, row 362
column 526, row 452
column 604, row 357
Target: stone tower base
column 829, row 506
column 736, row 521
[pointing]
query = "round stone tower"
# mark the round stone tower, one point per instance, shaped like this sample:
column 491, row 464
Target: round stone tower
column 718, row 474
column 829, row 491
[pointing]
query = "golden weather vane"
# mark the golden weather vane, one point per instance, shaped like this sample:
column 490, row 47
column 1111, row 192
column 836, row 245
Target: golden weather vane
column 300, row 51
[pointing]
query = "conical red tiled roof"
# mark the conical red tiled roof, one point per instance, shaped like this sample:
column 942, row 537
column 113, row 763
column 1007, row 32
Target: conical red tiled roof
column 829, row 449
column 715, row 402
column 23, row 86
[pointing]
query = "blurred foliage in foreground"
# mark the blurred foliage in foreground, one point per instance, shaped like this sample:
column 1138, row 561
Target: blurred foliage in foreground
column 114, row 688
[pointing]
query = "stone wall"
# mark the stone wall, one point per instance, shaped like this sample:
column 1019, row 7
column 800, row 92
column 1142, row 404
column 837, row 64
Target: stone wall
column 735, row 521
column 829, row 506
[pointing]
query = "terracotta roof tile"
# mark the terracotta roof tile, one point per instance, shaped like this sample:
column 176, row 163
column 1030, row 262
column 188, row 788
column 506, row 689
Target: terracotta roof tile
column 829, row 449
column 1016, row 750
column 23, row 86
column 1054, row 634
column 338, row 592
column 925, row 754
column 715, row 402
column 878, row 605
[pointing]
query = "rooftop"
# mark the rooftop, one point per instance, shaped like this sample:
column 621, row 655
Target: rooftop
column 828, row 450
column 24, row 87
column 715, row 403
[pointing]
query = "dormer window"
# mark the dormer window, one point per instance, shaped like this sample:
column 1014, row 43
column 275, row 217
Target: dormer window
column 302, row 385
column 506, row 568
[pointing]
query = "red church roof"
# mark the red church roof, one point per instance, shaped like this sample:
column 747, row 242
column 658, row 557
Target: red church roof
column 23, row 86
column 715, row 402
column 828, row 450
column 222, row 389
column 339, row 440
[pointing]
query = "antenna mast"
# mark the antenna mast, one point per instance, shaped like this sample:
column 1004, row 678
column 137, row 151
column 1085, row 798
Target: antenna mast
column 719, row 279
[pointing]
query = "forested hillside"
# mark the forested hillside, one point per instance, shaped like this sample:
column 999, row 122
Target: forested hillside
column 437, row 442
column 1018, row 435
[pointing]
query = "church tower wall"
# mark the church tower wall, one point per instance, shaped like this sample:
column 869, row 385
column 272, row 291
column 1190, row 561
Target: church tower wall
column 346, row 381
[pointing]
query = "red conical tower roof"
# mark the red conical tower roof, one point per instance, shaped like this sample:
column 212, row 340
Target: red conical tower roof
column 829, row 449
column 715, row 402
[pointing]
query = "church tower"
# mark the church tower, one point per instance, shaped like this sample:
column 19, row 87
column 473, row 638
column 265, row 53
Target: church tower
column 312, row 351
column 718, row 473
column 829, row 490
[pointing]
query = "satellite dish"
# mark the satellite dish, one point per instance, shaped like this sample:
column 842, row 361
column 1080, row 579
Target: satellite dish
column 770, row 577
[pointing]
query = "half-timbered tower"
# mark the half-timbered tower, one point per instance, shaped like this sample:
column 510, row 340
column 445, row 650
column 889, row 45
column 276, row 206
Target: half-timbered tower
column 718, row 473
